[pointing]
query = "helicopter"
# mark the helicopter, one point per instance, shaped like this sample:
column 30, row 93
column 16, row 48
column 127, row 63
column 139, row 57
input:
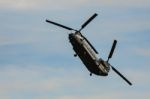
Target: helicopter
column 87, row 53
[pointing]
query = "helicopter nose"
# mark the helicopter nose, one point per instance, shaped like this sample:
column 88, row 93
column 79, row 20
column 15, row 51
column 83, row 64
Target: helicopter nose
column 71, row 36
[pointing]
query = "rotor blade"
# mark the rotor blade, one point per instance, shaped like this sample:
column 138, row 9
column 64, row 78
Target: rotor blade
column 88, row 21
column 121, row 75
column 68, row 28
column 112, row 49
column 91, row 46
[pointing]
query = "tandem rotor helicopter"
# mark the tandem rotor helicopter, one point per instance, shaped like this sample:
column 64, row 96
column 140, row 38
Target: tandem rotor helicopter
column 87, row 53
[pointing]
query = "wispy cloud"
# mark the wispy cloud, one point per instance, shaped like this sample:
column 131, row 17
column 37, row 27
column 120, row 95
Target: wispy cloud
column 28, row 81
column 26, row 45
column 34, row 79
column 143, row 51
column 113, row 95
column 40, row 4
column 60, row 4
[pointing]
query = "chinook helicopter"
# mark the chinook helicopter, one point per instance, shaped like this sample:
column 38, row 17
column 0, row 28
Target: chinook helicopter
column 87, row 53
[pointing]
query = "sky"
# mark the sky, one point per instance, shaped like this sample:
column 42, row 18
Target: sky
column 37, row 60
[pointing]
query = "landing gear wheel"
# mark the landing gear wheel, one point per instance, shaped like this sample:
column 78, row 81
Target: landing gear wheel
column 75, row 55
column 90, row 74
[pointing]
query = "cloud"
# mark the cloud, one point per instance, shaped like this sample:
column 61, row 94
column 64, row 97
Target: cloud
column 87, row 97
column 113, row 95
column 139, row 77
column 24, row 79
column 38, row 82
column 143, row 51
column 127, row 3
column 34, row 79
column 46, row 82
column 39, row 4
column 63, row 4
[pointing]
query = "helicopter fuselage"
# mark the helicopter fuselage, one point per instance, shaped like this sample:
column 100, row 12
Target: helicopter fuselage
column 87, row 55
